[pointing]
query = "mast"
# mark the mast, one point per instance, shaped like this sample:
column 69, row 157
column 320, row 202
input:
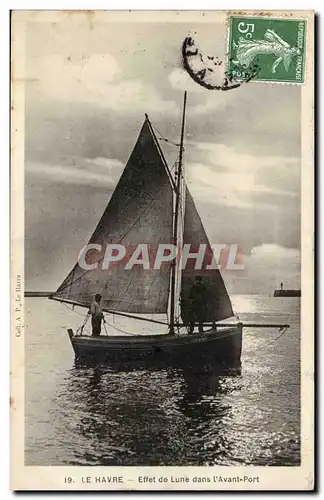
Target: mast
column 176, row 217
column 174, row 187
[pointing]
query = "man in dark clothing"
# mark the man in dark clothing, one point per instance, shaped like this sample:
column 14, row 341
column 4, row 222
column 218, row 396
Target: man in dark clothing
column 96, row 315
column 198, row 304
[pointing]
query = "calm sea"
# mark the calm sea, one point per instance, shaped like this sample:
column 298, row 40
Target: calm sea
column 93, row 416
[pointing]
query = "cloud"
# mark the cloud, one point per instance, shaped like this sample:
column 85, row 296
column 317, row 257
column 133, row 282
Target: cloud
column 180, row 80
column 275, row 264
column 270, row 250
column 233, row 159
column 220, row 188
column 212, row 99
column 96, row 172
column 87, row 90
column 95, row 79
column 267, row 266
column 229, row 177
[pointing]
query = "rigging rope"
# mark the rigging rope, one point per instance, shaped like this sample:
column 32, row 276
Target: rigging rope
column 282, row 330
column 73, row 309
column 104, row 322
column 120, row 330
column 162, row 138
column 80, row 329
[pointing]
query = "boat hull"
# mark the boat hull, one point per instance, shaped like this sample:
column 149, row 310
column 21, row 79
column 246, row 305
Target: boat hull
column 213, row 347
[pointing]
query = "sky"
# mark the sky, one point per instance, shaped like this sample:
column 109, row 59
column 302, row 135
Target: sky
column 88, row 85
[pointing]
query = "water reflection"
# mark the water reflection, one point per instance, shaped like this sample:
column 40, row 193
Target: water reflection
column 143, row 417
column 199, row 395
column 96, row 415
column 208, row 408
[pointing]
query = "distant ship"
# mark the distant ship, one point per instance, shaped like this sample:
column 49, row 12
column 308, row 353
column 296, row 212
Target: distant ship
column 286, row 292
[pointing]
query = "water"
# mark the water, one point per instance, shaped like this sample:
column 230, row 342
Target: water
column 93, row 416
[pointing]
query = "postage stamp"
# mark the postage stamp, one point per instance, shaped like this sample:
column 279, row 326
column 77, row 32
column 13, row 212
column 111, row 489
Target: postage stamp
column 275, row 47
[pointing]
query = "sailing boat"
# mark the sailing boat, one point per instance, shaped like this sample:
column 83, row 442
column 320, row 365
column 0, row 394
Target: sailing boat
column 147, row 206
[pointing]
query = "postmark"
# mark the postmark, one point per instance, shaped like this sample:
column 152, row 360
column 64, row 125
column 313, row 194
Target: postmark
column 209, row 70
column 277, row 46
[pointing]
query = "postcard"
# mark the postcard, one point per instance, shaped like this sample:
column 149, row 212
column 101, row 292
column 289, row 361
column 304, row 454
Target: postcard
column 162, row 332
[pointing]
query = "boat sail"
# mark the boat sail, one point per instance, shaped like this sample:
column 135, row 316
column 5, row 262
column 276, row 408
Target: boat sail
column 219, row 306
column 139, row 211
column 145, row 209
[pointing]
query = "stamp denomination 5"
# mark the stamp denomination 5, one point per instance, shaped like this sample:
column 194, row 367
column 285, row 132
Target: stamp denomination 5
column 276, row 46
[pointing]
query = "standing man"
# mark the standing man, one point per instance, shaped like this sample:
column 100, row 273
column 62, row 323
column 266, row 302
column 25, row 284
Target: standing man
column 198, row 304
column 96, row 315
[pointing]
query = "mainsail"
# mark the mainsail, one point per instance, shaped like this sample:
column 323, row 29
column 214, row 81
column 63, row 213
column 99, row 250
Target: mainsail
column 139, row 211
column 219, row 305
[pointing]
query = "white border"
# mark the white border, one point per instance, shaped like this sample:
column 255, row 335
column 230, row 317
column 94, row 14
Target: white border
column 4, row 213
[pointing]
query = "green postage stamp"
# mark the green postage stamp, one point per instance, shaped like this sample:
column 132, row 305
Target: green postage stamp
column 274, row 49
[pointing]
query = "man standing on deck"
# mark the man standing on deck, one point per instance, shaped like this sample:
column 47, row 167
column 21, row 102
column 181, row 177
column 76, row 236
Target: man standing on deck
column 198, row 304
column 96, row 315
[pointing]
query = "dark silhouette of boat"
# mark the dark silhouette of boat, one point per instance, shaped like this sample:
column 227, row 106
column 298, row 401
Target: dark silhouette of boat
column 152, row 204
